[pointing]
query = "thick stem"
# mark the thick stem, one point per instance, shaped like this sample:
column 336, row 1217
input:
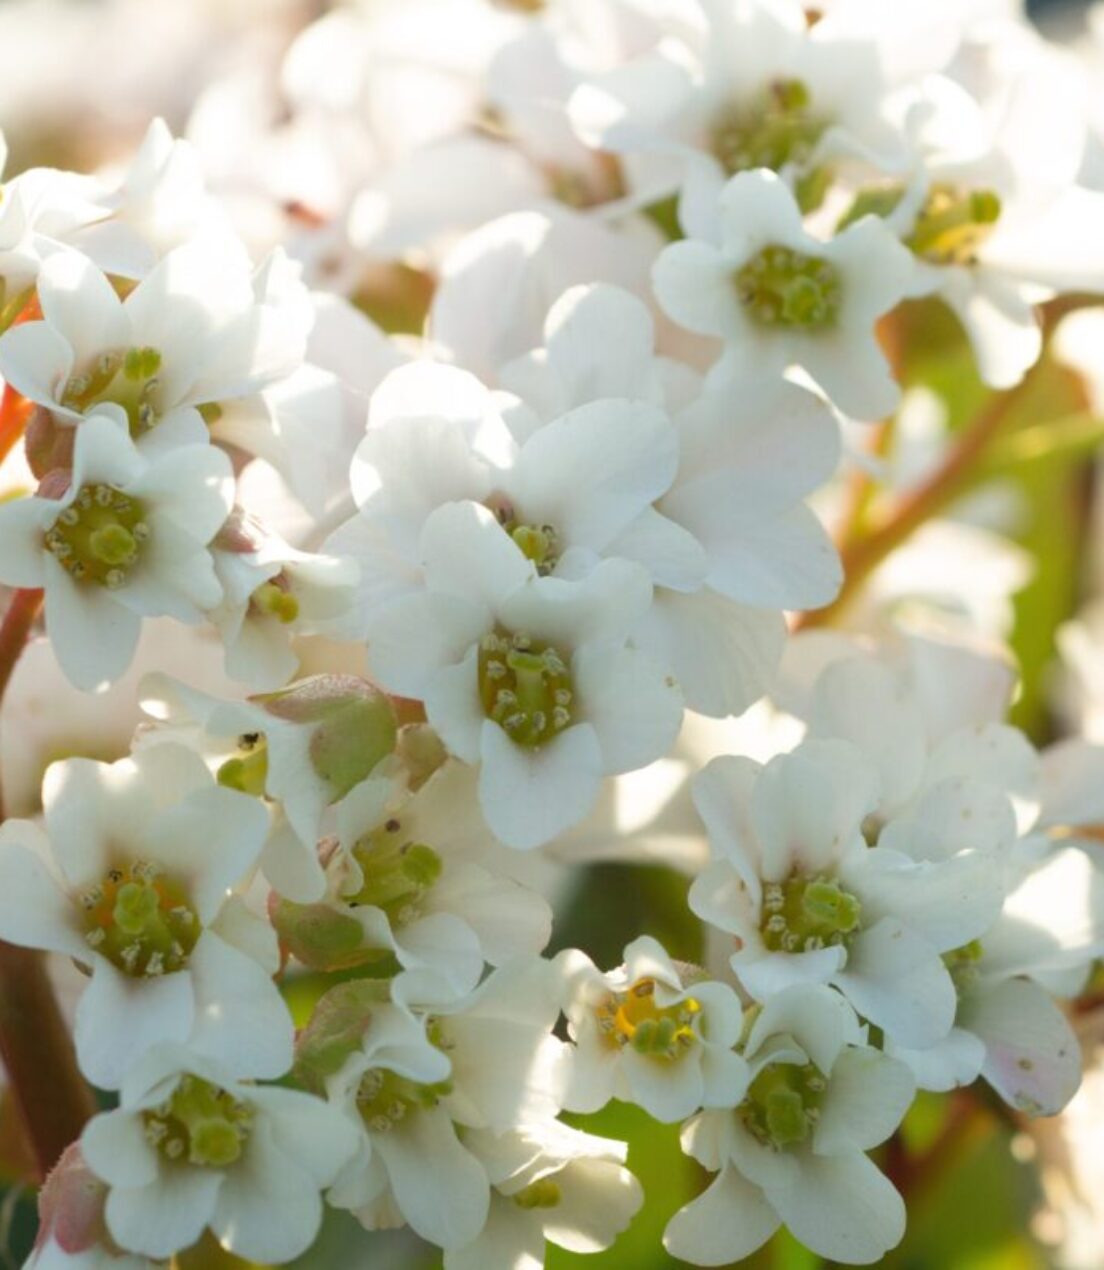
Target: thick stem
column 53, row 1099
column 862, row 556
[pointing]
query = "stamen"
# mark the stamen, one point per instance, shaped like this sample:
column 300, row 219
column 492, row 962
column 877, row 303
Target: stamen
column 780, row 287
column 141, row 920
column 200, row 1124
column 525, row 686
column 803, row 914
column 99, row 537
column 633, row 1018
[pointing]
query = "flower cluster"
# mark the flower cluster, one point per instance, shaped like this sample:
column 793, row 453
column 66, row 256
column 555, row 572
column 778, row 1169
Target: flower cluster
column 481, row 398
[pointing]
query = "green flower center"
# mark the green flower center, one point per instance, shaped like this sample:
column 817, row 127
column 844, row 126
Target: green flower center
column 776, row 129
column 543, row 1193
column 803, row 914
column 398, row 873
column 538, row 543
column 128, row 379
column 247, row 771
column 633, row 1018
column 141, row 920
column 954, row 224
column 783, row 1104
column 385, row 1099
column 200, row 1124
column 99, row 536
column 962, row 964
column 275, row 599
column 526, row 687
column 780, row 287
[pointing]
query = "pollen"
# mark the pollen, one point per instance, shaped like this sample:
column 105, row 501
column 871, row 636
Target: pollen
column 201, row 1125
column 632, row 1018
column 784, row 288
column 99, row 536
column 803, row 914
column 141, row 920
column 127, row 379
column 526, row 687
column 538, row 543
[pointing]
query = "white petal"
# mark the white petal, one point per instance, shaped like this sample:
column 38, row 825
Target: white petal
column 867, row 1097
column 897, row 980
column 79, row 302
column 1032, row 1058
column 807, row 806
column 23, row 522
column 591, row 472
column 531, row 796
column 116, row 1148
column 169, row 1214
column 119, row 1017
column 93, row 636
column 415, row 635
column 440, row 1187
column 843, row 1208
column 693, row 284
column 35, row 911
column 240, row 1017
column 727, row 1222
column 635, row 710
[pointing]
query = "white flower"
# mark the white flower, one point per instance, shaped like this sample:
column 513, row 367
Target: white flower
column 553, row 1183
column 410, row 1165
column 126, row 538
column 527, row 676
column 566, row 496
column 651, row 1034
column 199, row 330
column 748, row 85
column 405, row 879
column 271, row 593
column 192, row 1147
column 993, row 214
column 808, row 901
column 488, row 1061
column 792, row 1150
column 779, row 297
column 134, row 882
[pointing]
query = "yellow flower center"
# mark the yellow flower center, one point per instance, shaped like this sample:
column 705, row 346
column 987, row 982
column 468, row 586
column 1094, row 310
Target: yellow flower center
column 99, row 536
column 141, row 920
column 200, row 1125
column 633, row 1018
column 525, row 686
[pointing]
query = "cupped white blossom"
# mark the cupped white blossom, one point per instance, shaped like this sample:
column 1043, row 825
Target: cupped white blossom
column 792, row 1149
column 271, row 593
column 407, row 880
column 192, row 1146
column 993, row 213
column 746, row 84
column 553, row 1184
column 202, row 328
column 529, row 677
column 807, row 900
column 123, row 536
column 301, row 749
column 134, row 879
column 650, row 1032
column 951, row 774
column 779, row 298
column 415, row 1084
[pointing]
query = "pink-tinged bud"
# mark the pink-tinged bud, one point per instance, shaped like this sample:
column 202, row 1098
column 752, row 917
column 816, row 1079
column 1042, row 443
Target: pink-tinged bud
column 48, row 443
column 55, row 484
column 354, row 725
column 336, row 1030
column 240, row 534
column 71, row 1206
column 318, row 935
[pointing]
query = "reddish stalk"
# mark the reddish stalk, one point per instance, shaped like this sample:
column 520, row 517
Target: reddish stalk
column 53, row 1099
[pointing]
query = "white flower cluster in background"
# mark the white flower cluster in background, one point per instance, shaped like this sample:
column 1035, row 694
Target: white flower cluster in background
column 483, row 587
